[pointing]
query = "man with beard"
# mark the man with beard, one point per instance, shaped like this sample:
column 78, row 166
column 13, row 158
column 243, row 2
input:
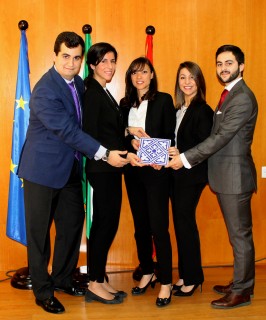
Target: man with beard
column 231, row 171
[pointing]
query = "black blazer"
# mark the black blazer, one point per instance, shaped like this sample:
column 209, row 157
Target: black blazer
column 102, row 119
column 194, row 128
column 160, row 118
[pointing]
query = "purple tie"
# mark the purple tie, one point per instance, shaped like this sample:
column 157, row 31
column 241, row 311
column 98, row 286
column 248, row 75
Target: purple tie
column 223, row 95
column 76, row 100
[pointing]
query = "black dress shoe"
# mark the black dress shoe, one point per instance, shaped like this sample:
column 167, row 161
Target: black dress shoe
column 231, row 300
column 90, row 296
column 120, row 293
column 51, row 305
column 73, row 291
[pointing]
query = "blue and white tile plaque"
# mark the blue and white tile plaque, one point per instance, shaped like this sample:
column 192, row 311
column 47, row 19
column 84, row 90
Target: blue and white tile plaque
column 154, row 151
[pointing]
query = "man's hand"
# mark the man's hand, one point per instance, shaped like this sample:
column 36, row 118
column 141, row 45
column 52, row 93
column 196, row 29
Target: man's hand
column 138, row 132
column 173, row 151
column 175, row 163
column 116, row 160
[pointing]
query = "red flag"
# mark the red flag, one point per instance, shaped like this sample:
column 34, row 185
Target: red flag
column 149, row 47
column 150, row 30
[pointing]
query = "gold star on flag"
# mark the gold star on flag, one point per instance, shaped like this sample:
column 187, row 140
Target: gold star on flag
column 13, row 166
column 21, row 103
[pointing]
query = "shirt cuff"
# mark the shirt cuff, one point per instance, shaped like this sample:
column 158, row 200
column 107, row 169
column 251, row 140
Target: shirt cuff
column 100, row 153
column 184, row 161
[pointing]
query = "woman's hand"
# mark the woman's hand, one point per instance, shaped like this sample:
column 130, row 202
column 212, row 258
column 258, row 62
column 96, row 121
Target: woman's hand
column 134, row 160
column 135, row 144
column 138, row 132
column 156, row 166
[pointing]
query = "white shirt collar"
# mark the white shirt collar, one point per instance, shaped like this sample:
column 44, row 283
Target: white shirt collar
column 230, row 86
column 67, row 81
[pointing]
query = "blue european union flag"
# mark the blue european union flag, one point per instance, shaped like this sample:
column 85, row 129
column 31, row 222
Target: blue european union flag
column 16, row 228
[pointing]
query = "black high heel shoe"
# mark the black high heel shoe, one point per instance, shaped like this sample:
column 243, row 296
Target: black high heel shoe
column 162, row 302
column 176, row 287
column 180, row 293
column 137, row 290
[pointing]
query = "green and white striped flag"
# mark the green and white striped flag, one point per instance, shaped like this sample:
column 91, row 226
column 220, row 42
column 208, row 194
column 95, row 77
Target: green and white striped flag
column 86, row 187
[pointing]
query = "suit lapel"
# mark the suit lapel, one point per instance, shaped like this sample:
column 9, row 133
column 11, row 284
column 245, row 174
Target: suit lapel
column 231, row 93
column 187, row 116
column 186, row 119
column 65, row 89
column 218, row 117
column 148, row 121
column 111, row 101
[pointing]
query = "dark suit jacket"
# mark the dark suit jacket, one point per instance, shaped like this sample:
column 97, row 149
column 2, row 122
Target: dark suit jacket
column 231, row 168
column 54, row 133
column 102, row 119
column 160, row 123
column 160, row 118
column 194, row 128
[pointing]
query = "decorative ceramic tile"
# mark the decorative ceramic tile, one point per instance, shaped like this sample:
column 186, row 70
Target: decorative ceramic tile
column 154, row 150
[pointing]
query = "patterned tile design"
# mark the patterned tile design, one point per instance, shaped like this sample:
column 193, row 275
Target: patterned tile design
column 154, row 151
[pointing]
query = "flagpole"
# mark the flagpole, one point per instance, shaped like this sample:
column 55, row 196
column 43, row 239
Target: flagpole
column 87, row 29
column 21, row 278
column 81, row 276
column 150, row 31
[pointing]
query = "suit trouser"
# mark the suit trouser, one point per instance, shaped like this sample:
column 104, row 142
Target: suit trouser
column 184, row 203
column 64, row 206
column 148, row 193
column 107, row 198
column 236, row 209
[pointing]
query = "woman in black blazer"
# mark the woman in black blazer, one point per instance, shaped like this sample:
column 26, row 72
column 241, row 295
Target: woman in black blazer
column 148, row 187
column 102, row 119
column 194, row 122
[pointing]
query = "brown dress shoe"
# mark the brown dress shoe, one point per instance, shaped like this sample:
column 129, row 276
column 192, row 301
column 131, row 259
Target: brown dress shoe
column 231, row 300
column 223, row 289
column 228, row 289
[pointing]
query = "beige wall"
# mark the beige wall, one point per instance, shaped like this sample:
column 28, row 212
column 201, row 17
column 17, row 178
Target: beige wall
column 185, row 30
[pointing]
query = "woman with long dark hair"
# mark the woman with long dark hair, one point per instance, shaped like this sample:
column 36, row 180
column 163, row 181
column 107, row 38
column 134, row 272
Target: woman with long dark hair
column 193, row 125
column 148, row 187
column 102, row 119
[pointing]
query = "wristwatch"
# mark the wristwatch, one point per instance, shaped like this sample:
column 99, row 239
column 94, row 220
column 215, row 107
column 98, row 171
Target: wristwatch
column 106, row 156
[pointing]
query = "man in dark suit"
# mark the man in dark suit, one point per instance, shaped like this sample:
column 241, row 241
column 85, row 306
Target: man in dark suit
column 231, row 171
column 50, row 166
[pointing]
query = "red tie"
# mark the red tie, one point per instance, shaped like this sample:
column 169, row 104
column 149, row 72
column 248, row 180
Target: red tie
column 223, row 95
